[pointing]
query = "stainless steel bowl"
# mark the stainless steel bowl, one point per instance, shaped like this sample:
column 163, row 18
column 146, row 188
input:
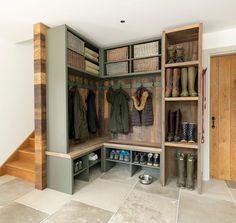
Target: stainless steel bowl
column 145, row 179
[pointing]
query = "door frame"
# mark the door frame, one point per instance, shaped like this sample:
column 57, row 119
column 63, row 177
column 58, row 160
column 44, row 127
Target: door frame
column 207, row 54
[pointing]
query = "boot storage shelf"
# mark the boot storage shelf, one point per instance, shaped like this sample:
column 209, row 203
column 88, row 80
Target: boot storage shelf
column 181, row 105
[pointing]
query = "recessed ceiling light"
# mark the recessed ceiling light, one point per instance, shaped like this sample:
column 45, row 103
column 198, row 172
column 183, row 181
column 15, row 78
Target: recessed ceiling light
column 122, row 21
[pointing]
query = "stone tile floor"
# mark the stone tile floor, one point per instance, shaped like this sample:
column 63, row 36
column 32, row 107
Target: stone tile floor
column 115, row 197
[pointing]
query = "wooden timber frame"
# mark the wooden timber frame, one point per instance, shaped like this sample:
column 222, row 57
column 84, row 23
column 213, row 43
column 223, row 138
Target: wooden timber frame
column 191, row 107
column 40, row 31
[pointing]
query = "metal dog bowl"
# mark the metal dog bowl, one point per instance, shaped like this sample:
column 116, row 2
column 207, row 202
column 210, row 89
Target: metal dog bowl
column 145, row 179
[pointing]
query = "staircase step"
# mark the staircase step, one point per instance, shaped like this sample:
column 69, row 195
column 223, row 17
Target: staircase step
column 26, row 155
column 21, row 169
column 28, row 149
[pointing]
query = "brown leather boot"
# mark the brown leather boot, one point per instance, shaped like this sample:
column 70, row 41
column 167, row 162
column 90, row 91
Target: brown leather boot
column 179, row 54
column 176, row 78
column 170, row 54
column 169, row 81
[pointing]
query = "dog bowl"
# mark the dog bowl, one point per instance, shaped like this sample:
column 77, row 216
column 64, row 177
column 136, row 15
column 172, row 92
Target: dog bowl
column 145, row 179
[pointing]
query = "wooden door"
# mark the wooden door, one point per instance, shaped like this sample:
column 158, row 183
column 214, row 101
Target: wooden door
column 223, row 111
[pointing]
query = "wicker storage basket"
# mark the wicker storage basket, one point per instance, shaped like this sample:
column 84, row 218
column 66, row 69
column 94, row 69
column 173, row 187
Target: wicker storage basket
column 117, row 68
column 146, row 49
column 117, row 54
column 75, row 59
column 74, row 43
column 150, row 64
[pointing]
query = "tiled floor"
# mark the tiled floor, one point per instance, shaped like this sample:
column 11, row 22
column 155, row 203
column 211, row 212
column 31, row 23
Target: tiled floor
column 115, row 197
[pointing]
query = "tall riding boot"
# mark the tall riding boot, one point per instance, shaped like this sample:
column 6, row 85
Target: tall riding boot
column 181, row 178
column 191, row 132
column 170, row 54
column 171, row 122
column 177, row 126
column 176, row 77
column 191, row 81
column 190, row 171
column 184, row 131
column 169, row 81
column 184, row 82
column 179, row 54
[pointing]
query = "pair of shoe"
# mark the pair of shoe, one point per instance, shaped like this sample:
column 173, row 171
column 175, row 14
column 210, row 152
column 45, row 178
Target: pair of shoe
column 174, row 119
column 78, row 165
column 186, row 170
column 122, row 155
column 188, row 132
column 150, row 159
column 187, row 77
column 175, row 54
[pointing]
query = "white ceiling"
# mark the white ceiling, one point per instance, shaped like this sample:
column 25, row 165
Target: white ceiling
column 99, row 20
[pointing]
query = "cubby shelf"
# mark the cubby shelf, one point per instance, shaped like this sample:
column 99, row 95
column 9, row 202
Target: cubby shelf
column 145, row 165
column 182, row 145
column 79, row 172
column 84, row 72
column 118, row 161
column 183, row 64
column 181, row 99
column 93, row 163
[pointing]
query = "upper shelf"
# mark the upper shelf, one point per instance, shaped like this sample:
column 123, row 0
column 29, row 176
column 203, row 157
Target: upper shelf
column 181, row 99
column 76, row 70
column 183, row 64
column 182, row 145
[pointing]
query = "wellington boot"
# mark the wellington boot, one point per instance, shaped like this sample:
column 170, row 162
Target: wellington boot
column 195, row 51
column 176, row 78
column 191, row 132
column 184, row 132
column 179, row 54
column 171, row 123
column 191, row 81
column 190, row 171
column 171, row 54
column 181, row 178
column 169, row 81
column 184, row 82
column 177, row 126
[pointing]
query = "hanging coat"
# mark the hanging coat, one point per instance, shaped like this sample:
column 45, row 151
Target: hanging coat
column 80, row 119
column 71, row 98
column 119, row 119
column 92, row 119
column 142, row 112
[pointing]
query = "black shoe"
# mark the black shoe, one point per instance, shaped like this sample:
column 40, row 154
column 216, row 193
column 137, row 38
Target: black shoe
column 136, row 157
column 143, row 158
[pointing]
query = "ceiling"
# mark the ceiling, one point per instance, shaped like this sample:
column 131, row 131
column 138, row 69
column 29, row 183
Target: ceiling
column 99, row 20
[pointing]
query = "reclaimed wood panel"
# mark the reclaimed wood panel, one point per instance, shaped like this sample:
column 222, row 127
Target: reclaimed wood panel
column 40, row 31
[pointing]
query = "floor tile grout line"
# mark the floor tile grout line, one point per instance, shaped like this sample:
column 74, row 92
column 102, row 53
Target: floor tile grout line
column 177, row 208
column 230, row 193
column 126, row 197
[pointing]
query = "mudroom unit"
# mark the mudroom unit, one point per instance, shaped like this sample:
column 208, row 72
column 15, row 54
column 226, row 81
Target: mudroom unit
column 139, row 104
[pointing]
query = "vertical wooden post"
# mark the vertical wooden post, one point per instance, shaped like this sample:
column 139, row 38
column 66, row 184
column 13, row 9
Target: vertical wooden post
column 40, row 104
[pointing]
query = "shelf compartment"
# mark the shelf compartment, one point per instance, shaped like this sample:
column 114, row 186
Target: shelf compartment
column 118, row 161
column 146, row 57
column 147, row 166
column 93, row 163
column 182, row 145
column 80, row 171
column 181, row 99
column 75, row 70
column 183, row 64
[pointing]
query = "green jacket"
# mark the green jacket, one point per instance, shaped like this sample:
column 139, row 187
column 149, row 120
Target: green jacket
column 119, row 120
column 80, row 119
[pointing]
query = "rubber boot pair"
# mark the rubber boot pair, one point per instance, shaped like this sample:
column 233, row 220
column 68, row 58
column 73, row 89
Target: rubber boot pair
column 172, row 82
column 186, row 170
column 174, row 119
column 188, row 131
column 188, row 77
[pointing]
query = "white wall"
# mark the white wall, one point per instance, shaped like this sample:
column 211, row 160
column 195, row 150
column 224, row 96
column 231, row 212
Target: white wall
column 16, row 95
column 216, row 43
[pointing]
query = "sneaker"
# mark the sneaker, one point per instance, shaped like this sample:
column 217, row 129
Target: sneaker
column 143, row 158
column 150, row 159
column 117, row 155
column 127, row 156
column 136, row 157
column 156, row 160
column 112, row 155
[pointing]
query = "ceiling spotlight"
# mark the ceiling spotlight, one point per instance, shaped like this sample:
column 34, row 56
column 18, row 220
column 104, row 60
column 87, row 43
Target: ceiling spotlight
column 122, row 21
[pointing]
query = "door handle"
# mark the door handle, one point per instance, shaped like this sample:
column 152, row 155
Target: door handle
column 213, row 122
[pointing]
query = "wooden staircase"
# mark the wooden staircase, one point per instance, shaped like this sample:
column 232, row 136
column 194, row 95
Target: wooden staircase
column 22, row 162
